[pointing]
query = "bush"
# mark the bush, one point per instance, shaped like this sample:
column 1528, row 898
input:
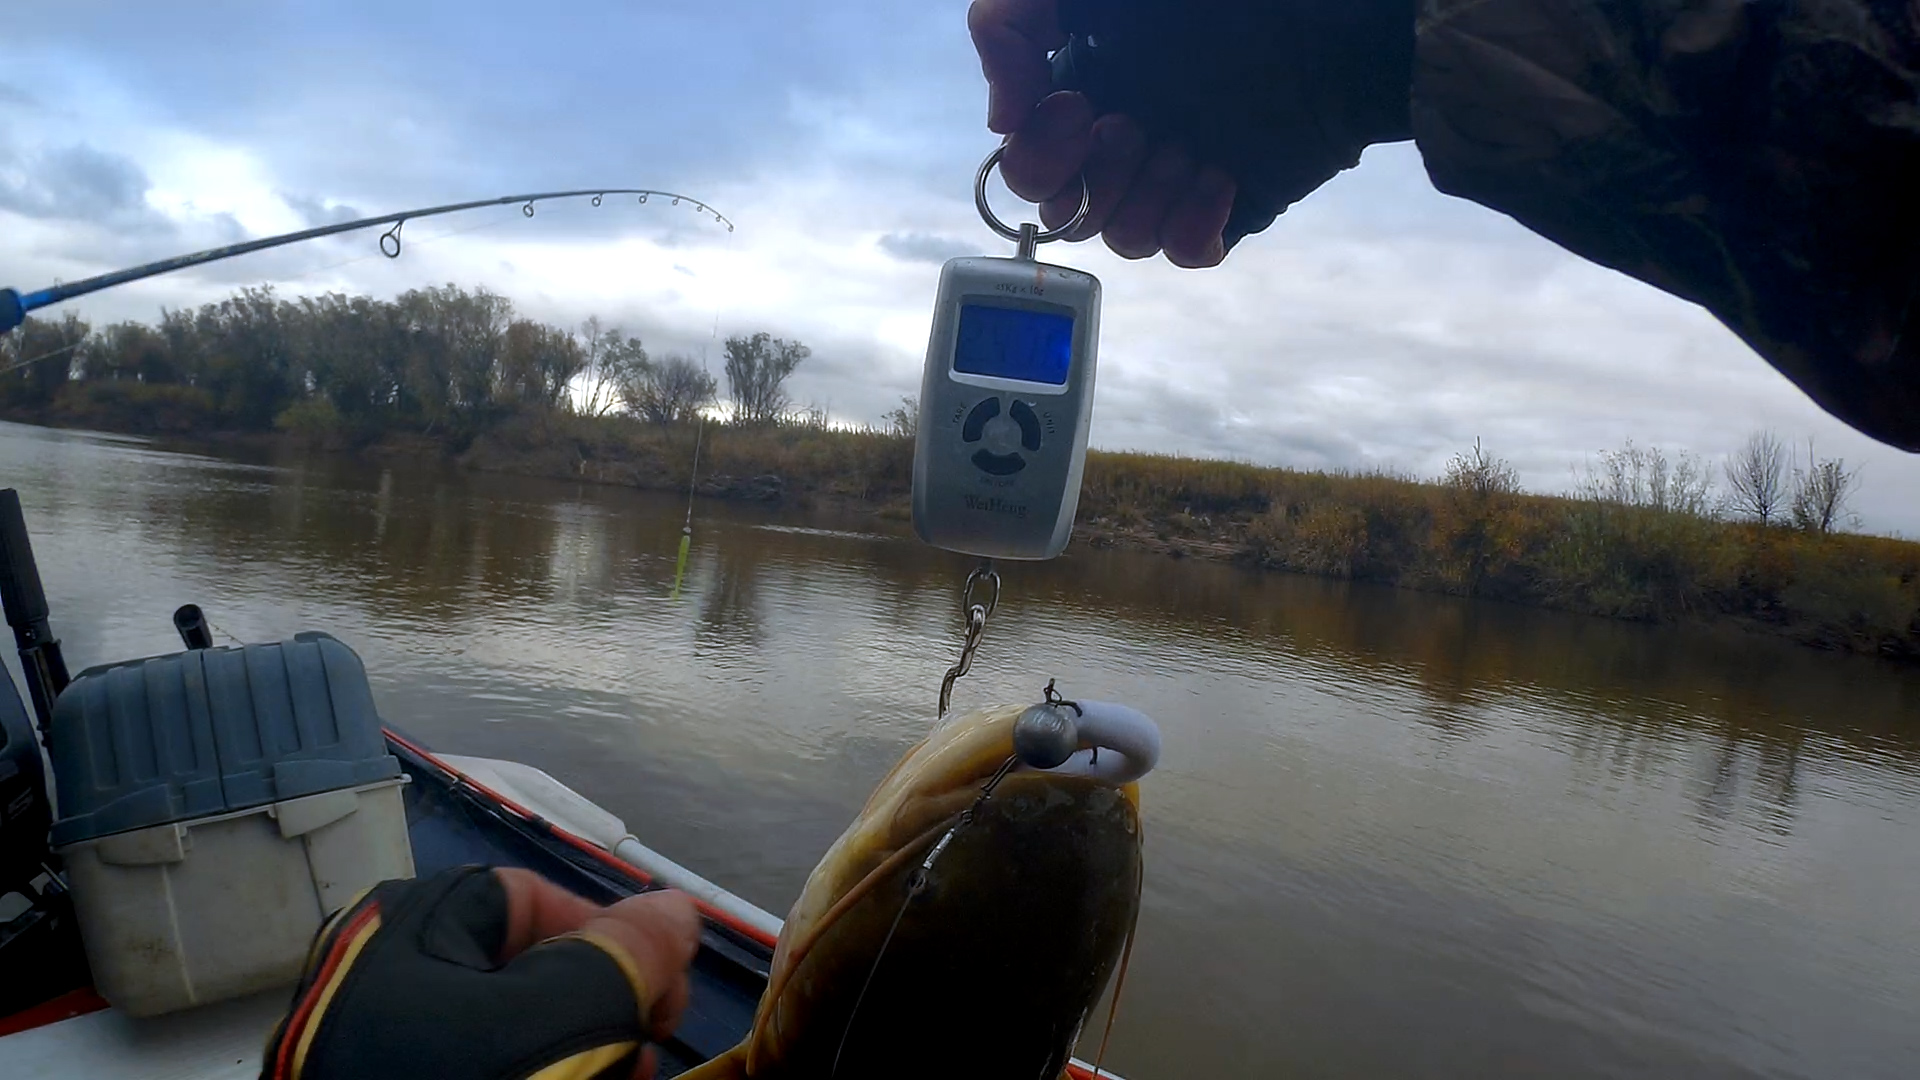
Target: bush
column 1325, row 539
column 1632, row 562
column 314, row 418
column 129, row 405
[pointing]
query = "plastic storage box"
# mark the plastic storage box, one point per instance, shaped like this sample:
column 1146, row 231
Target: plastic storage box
column 214, row 806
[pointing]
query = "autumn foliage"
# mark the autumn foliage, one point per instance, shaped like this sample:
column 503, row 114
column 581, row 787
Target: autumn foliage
column 456, row 373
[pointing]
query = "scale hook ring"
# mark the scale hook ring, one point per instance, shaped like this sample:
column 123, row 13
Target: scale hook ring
column 1008, row 231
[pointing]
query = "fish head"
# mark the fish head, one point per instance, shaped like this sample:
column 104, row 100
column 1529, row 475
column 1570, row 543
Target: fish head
column 983, row 961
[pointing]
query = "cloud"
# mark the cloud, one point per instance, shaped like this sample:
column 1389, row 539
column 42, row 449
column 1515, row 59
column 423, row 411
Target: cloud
column 79, row 183
column 925, row 247
column 315, row 211
column 1378, row 324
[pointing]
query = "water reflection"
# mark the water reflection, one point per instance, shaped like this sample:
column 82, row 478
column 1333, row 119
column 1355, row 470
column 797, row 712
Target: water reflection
column 730, row 617
column 1395, row 834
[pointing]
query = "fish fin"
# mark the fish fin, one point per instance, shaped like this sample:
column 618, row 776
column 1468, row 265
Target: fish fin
column 731, row 1065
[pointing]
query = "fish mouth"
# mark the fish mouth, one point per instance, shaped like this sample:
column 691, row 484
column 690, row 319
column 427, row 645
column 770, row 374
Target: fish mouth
column 1115, row 744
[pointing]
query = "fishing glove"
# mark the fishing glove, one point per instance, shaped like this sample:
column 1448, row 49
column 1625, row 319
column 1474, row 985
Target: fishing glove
column 406, row 983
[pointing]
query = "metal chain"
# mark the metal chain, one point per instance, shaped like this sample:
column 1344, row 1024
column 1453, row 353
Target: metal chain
column 975, row 615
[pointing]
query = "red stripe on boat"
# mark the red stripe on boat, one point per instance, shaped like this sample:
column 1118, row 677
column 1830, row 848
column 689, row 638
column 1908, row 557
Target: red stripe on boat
column 65, row 1007
column 593, row 850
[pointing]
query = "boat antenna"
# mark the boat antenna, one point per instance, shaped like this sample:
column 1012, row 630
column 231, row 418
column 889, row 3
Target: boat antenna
column 14, row 305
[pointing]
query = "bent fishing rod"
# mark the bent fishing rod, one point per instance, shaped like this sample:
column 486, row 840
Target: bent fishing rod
column 15, row 305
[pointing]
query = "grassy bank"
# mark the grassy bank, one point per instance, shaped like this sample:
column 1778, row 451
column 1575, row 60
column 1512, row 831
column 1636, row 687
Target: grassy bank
column 1459, row 535
column 450, row 373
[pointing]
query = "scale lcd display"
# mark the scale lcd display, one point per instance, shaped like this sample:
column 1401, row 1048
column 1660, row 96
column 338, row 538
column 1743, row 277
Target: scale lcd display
column 1014, row 343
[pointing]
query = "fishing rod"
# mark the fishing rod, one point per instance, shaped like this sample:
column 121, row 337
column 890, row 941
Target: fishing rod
column 15, row 305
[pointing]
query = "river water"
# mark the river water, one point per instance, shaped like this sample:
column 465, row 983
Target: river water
column 1393, row 835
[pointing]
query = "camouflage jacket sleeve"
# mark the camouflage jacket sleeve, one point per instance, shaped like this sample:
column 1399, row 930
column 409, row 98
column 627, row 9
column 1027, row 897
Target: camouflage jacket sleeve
column 1760, row 158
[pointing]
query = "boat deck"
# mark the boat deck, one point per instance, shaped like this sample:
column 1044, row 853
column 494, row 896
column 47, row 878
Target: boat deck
column 450, row 823
column 452, row 819
column 215, row 1042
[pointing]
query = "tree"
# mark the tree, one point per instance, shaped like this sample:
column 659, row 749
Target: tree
column 903, row 420
column 757, row 371
column 1480, row 474
column 606, row 362
column 1646, row 476
column 179, row 328
column 538, row 364
column 251, row 369
column 455, row 341
column 1820, row 492
column 39, row 356
column 670, row 391
column 1474, row 522
column 436, row 359
column 623, row 362
column 127, row 350
column 1757, row 477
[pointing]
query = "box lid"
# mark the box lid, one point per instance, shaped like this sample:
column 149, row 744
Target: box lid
column 202, row 732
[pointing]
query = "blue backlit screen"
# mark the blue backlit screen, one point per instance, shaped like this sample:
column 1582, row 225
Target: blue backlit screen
column 1014, row 343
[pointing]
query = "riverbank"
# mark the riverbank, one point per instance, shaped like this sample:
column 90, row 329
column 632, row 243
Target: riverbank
column 1466, row 535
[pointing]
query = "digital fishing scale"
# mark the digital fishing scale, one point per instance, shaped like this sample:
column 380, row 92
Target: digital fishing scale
column 1006, row 397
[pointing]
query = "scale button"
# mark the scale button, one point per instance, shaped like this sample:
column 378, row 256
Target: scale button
column 977, row 419
column 1022, row 414
column 1001, row 435
column 998, row 464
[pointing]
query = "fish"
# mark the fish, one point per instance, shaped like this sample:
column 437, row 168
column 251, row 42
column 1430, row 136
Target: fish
column 951, row 933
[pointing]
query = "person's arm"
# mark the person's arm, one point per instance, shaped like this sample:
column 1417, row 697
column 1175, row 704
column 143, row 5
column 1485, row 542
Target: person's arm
column 1759, row 159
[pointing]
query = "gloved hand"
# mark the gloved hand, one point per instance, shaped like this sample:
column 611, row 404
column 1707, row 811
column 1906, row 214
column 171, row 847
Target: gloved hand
column 1211, row 117
column 487, row 975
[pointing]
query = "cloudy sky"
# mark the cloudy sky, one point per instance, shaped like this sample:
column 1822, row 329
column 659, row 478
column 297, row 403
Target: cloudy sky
column 1377, row 325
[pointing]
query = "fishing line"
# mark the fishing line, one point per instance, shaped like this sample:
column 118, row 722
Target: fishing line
column 686, row 531
column 1113, row 1005
column 222, row 631
column 917, row 884
column 411, row 243
column 865, row 986
column 10, row 368
column 693, row 476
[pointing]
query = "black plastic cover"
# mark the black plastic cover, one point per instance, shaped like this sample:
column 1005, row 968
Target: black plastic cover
column 207, row 731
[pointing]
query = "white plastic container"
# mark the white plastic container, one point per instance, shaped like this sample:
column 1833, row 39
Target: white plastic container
column 215, row 907
column 215, row 806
